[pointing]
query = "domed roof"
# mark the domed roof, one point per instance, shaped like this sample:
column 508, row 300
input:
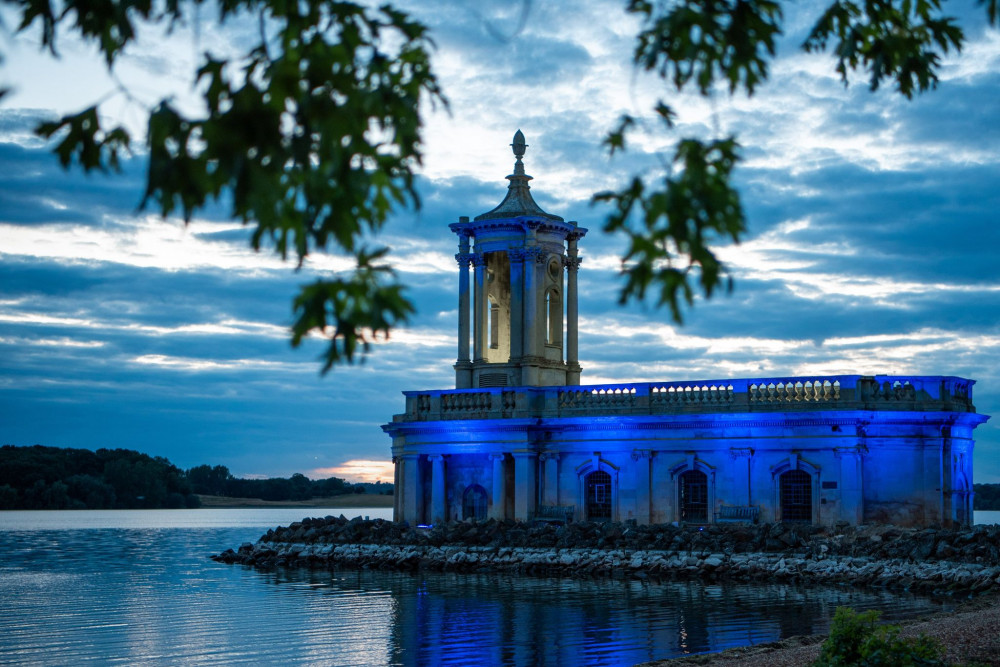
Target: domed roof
column 518, row 201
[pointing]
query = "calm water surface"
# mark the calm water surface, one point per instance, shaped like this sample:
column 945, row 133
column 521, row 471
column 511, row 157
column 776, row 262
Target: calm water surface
column 137, row 587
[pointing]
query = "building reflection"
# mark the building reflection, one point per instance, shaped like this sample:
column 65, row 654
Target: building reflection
column 498, row 619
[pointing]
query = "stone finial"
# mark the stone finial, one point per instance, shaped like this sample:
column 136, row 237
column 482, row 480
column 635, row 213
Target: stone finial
column 518, row 145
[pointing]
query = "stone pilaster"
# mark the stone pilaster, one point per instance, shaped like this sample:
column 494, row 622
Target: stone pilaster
column 525, row 484
column 572, row 315
column 463, row 366
column 499, row 508
column 480, row 306
column 439, row 511
column 413, row 492
column 550, row 494
column 643, row 489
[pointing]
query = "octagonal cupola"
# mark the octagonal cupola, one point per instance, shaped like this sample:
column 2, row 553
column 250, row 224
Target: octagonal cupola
column 523, row 317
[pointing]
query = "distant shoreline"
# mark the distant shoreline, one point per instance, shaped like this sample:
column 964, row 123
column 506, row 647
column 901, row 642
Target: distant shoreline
column 347, row 501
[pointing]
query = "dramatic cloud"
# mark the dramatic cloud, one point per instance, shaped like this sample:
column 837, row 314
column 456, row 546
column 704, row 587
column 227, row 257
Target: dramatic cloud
column 871, row 246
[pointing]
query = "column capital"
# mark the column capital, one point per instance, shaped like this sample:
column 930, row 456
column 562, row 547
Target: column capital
column 465, row 258
column 524, row 455
column 497, row 456
column 539, row 255
column 435, row 457
column 572, row 263
column 548, row 456
column 517, row 254
column 477, row 259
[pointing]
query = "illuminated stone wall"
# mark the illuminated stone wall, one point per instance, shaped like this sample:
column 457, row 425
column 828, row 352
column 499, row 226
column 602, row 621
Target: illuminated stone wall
column 872, row 449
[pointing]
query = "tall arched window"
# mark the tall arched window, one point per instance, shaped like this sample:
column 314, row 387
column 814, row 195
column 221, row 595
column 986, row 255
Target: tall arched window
column 553, row 318
column 598, row 490
column 796, row 496
column 693, row 494
column 494, row 324
column 474, row 503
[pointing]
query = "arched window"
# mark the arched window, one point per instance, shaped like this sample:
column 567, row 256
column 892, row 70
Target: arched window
column 474, row 503
column 796, row 496
column 553, row 318
column 598, row 490
column 494, row 324
column 693, row 494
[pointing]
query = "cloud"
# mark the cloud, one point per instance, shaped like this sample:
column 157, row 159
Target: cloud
column 359, row 470
column 871, row 244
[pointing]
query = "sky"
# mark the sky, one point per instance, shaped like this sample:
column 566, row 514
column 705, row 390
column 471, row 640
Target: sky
column 871, row 245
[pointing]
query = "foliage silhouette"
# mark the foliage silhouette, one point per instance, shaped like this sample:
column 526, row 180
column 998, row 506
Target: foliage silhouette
column 314, row 132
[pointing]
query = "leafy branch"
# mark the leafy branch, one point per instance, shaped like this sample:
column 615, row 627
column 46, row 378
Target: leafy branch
column 313, row 135
column 672, row 221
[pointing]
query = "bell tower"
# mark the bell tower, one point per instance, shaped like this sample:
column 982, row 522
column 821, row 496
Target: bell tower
column 523, row 317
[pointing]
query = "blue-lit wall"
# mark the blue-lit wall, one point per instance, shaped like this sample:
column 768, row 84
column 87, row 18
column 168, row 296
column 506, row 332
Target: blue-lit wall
column 903, row 467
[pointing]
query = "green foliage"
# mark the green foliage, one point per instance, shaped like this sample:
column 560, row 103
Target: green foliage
column 987, row 497
column 56, row 478
column 312, row 134
column 678, row 221
column 858, row 639
column 209, row 480
column 903, row 41
column 672, row 221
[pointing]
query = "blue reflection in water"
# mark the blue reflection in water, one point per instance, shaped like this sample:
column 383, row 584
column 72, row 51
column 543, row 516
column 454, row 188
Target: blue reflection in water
column 148, row 595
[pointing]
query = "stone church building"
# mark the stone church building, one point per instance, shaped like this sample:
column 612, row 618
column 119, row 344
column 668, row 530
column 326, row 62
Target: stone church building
column 519, row 437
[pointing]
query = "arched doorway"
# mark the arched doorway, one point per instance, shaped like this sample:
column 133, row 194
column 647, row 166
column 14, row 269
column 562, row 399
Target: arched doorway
column 474, row 503
column 693, row 493
column 598, row 490
column 796, row 496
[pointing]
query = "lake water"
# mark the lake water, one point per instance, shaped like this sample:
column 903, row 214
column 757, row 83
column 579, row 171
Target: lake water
column 137, row 587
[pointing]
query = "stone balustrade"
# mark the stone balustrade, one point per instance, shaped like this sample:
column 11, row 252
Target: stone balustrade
column 836, row 392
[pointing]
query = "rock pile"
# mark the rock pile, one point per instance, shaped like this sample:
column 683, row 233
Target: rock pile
column 929, row 560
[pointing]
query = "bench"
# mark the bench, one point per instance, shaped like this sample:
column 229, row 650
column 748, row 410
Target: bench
column 554, row 513
column 737, row 514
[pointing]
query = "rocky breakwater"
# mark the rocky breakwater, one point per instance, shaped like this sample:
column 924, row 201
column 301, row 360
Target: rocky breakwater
column 929, row 560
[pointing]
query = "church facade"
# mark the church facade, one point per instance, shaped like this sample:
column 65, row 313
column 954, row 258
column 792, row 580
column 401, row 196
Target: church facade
column 519, row 437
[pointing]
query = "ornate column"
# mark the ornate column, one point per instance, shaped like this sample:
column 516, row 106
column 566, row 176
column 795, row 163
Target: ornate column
column 525, row 484
column 439, row 513
column 530, row 324
column 480, row 306
column 463, row 367
column 498, row 509
column 550, row 494
column 517, row 269
column 643, row 495
column 572, row 315
column 413, row 494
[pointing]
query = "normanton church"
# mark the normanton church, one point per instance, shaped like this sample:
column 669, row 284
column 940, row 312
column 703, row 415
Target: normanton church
column 519, row 437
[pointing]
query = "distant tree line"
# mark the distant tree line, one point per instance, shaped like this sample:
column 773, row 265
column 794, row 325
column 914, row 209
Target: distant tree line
column 218, row 481
column 41, row 477
column 987, row 497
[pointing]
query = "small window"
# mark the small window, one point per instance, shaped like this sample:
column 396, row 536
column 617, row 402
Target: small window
column 553, row 318
column 474, row 503
column 598, row 490
column 796, row 496
column 494, row 325
column 694, row 496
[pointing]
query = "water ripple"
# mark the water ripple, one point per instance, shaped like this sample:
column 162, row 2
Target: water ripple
column 150, row 596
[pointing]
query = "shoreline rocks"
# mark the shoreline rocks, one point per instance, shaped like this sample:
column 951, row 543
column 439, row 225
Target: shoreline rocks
column 939, row 562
